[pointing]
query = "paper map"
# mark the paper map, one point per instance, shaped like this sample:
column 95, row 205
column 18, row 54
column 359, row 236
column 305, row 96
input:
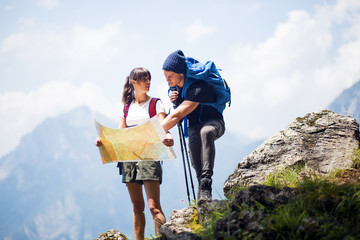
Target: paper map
column 140, row 143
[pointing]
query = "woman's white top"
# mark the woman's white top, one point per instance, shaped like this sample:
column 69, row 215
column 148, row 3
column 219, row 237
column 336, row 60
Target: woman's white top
column 139, row 114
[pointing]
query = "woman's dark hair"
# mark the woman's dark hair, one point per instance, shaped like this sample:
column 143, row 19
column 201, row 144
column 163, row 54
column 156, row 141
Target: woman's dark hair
column 136, row 74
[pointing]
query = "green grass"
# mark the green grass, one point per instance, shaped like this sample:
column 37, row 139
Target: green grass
column 285, row 177
column 356, row 159
column 207, row 229
column 321, row 210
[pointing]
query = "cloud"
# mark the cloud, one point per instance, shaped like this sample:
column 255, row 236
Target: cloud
column 4, row 171
column 62, row 54
column 49, row 4
column 26, row 21
column 8, row 8
column 12, row 42
column 299, row 69
column 88, row 43
column 21, row 111
column 54, row 56
column 196, row 31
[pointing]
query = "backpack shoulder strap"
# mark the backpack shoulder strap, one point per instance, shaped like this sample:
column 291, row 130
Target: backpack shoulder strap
column 152, row 107
column 126, row 109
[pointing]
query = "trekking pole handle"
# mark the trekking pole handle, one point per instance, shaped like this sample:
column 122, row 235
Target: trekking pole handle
column 175, row 102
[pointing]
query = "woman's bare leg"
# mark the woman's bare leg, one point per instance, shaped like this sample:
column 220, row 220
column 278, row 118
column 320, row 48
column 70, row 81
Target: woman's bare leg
column 152, row 189
column 137, row 199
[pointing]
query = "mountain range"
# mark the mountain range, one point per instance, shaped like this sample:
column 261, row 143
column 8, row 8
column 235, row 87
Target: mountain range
column 54, row 186
column 348, row 102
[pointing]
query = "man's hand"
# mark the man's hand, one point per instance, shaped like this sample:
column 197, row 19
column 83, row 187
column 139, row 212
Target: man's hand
column 173, row 95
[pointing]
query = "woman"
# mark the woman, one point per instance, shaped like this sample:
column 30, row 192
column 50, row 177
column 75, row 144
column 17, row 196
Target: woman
column 147, row 173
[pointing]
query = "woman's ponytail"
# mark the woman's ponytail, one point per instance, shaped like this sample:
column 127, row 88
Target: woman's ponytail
column 128, row 93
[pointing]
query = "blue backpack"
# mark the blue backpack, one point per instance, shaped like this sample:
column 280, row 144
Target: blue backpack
column 210, row 74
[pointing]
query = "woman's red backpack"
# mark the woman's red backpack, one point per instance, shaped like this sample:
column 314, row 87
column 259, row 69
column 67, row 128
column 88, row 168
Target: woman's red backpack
column 152, row 108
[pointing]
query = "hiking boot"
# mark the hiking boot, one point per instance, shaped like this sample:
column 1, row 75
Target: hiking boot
column 204, row 191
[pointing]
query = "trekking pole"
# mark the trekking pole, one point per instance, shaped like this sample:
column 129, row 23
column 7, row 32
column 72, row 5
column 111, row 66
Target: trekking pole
column 182, row 152
column 183, row 145
column 188, row 161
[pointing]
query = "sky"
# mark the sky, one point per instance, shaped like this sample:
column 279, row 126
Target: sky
column 281, row 58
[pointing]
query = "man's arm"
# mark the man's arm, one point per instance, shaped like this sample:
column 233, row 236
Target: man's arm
column 185, row 108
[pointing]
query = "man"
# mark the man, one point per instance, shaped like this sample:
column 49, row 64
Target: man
column 206, row 123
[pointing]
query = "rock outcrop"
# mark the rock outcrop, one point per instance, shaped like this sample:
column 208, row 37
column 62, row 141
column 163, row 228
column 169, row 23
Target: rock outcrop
column 247, row 219
column 323, row 141
column 177, row 227
column 112, row 234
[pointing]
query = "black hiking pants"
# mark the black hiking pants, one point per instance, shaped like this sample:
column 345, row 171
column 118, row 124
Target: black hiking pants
column 202, row 146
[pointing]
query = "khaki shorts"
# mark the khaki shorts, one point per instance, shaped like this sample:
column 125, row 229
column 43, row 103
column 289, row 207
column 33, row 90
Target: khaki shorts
column 137, row 172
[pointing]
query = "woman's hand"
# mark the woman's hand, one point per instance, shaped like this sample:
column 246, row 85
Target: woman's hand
column 173, row 95
column 169, row 141
column 98, row 142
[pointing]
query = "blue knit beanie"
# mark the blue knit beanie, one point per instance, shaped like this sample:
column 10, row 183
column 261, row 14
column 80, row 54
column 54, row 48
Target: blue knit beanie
column 175, row 62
